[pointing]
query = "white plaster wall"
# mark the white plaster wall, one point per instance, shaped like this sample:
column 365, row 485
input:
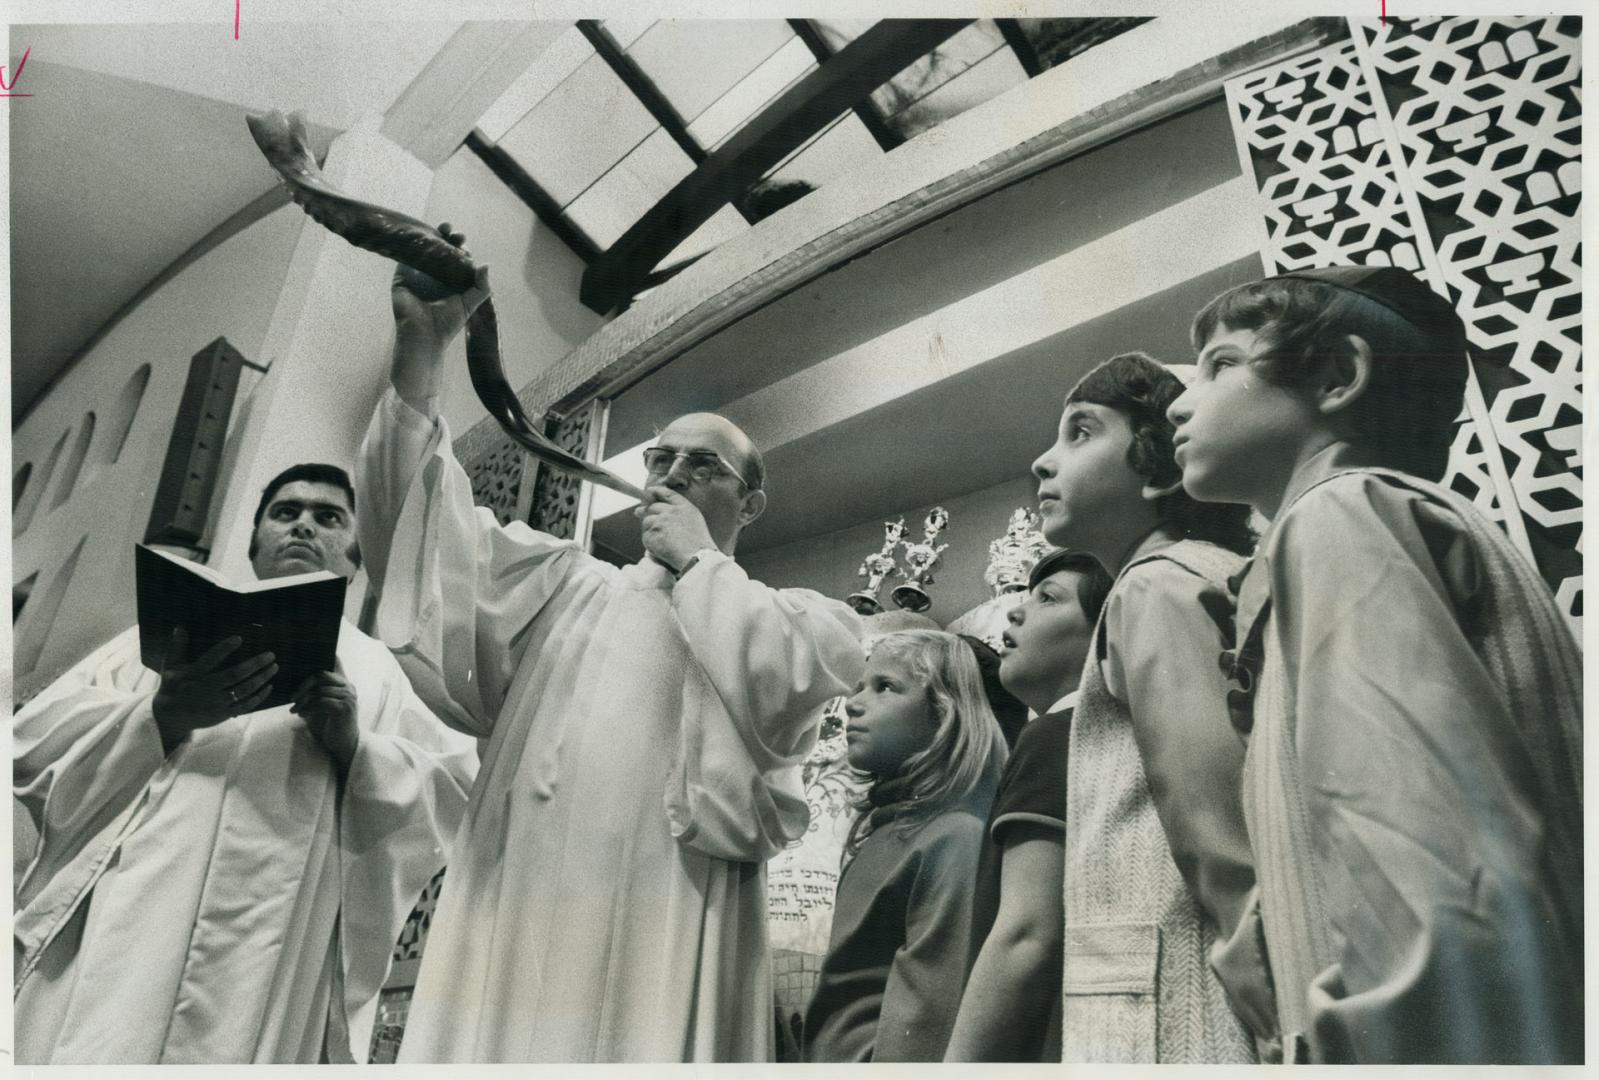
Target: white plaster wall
column 828, row 563
column 230, row 292
column 534, row 275
column 289, row 296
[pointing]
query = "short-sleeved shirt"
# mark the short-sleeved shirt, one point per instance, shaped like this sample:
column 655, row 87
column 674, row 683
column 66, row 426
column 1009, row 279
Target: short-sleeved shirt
column 1032, row 790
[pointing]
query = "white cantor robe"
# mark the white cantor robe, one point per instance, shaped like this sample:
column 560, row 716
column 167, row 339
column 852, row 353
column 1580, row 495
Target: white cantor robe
column 606, row 896
column 195, row 908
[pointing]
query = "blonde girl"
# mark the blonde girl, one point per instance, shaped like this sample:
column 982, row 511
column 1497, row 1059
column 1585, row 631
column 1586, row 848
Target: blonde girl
column 920, row 727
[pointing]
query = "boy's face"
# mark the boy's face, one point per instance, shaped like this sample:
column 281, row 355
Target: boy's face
column 1046, row 642
column 1086, row 486
column 1239, row 436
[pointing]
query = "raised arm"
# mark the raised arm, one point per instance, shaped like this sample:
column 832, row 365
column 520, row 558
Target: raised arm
column 427, row 317
column 455, row 589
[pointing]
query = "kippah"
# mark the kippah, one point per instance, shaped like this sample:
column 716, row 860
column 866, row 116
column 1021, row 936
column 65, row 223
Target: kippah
column 1399, row 291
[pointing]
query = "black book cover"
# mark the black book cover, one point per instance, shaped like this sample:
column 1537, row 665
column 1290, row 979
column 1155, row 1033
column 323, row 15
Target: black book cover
column 295, row 618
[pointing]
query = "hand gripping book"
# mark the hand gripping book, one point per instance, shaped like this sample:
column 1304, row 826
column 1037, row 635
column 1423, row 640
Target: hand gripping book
column 295, row 618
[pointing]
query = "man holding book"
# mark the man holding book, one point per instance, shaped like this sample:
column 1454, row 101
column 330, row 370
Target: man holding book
column 644, row 726
column 214, row 881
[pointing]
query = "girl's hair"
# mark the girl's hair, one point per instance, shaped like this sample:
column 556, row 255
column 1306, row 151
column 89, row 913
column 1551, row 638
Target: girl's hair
column 1418, row 380
column 968, row 750
column 1141, row 388
column 1093, row 583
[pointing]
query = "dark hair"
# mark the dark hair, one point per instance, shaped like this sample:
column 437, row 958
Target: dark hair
column 1093, row 582
column 312, row 472
column 1418, row 380
column 1008, row 709
column 1141, row 389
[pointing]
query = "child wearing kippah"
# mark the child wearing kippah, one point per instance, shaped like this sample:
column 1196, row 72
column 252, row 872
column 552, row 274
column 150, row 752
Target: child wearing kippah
column 1412, row 694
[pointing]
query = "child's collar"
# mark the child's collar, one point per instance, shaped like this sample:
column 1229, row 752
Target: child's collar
column 1336, row 457
column 1156, row 538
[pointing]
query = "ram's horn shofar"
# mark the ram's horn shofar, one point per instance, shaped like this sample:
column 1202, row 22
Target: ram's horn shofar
column 418, row 245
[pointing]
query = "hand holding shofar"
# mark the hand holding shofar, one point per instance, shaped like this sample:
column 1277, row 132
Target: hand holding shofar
column 421, row 247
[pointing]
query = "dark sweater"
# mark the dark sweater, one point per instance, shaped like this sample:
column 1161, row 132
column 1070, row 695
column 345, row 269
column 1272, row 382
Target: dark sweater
column 900, row 948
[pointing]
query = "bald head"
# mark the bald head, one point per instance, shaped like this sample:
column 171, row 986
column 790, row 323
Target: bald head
column 712, row 432
column 727, row 503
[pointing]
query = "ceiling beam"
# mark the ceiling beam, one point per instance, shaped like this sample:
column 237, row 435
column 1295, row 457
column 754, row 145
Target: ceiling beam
column 865, row 109
column 781, row 128
column 1026, row 55
column 642, row 87
column 544, row 206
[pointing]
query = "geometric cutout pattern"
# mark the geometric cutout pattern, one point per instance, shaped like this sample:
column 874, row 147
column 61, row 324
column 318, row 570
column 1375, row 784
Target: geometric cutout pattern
column 556, row 494
column 497, row 479
column 1489, row 113
column 1488, row 117
column 394, row 1001
column 414, row 935
column 1331, row 196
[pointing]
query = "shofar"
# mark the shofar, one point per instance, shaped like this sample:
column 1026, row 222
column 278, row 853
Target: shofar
column 421, row 247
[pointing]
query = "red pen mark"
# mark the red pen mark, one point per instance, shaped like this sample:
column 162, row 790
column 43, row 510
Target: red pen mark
column 7, row 87
column 1384, row 14
column 236, row 19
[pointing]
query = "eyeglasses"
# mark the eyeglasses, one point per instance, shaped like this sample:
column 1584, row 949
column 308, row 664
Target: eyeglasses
column 703, row 465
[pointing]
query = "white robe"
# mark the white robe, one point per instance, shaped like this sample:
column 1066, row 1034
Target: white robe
column 184, row 908
column 606, row 896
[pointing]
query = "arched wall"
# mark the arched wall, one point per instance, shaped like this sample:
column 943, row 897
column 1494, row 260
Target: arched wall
column 229, row 292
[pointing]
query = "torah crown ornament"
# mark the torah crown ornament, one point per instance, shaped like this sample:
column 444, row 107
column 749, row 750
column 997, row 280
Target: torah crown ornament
column 1011, row 557
column 878, row 568
column 920, row 559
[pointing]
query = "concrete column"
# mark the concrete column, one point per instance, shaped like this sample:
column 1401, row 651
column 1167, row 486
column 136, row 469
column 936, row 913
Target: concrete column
column 328, row 344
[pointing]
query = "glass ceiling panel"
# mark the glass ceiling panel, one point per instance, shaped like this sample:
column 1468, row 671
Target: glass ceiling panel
column 558, row 62
column 840, row 32
column 972, row 45
column 988, row 78
column 626, row 31
column 695, row 62
column 751, row 94
column 623, row 195
column 841, row 148
column 582, row 128
column 1056, row 41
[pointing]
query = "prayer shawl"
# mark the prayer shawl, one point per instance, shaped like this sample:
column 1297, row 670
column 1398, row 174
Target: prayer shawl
column 644, row 735
column 1413, row 780
column 1138, row 986
column 208, row 906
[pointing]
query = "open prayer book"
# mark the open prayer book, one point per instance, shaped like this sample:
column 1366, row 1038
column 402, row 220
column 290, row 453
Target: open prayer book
column 295, row 618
